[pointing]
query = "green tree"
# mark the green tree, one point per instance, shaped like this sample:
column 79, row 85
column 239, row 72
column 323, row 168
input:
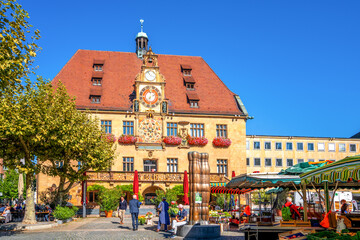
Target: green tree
column 75, row 143
column 17, row 44
column 9, row 185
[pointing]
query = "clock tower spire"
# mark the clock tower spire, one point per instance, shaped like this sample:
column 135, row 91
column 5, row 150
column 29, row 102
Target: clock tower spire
column 141, row 42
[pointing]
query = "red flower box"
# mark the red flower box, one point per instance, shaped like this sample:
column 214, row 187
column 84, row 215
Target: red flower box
column 127, row 139
column 172, row 140
column 221, row 142
column 197, row 141
column 109, row 137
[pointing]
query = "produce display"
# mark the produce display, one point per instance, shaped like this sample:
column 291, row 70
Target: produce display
column 330, row 235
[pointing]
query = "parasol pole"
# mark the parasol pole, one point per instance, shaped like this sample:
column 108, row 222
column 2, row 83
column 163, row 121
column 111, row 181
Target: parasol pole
column 326, row 193
column 303, row 186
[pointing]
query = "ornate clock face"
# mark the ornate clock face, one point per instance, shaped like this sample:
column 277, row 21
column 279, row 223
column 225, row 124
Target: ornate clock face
column 150, row 96
column 150, row 75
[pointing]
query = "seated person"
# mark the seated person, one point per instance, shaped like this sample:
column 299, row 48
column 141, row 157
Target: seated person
column 344, row 207
column 181, row 219
column 18, row 207
column 293, row 209
column 246, row 212
column 48, row 209
column 2, row 208
column 7, row 215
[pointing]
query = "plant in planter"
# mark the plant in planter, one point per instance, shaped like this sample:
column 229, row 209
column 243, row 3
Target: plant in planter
column 127, row 139
column 172, row 140
column 142, row 220
column 109, row 137
column 64, row 213
column 109, row 200
column 197, row 141
column 221, row 142
column 173, row 209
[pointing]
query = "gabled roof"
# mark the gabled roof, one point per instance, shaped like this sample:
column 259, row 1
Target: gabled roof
column 120, row 70
column 356, row 135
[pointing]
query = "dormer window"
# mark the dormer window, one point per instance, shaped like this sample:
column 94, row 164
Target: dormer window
column 186, row 70
column 95, row 98
column 190, row 86
column 98, row 67
column 194, row 104
column 96, row 81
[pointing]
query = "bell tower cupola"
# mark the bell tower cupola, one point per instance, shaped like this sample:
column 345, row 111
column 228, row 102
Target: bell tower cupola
column 141, row 42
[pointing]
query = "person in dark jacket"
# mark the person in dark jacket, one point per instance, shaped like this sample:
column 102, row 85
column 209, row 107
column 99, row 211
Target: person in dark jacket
column 134, row 206
column 121, row 209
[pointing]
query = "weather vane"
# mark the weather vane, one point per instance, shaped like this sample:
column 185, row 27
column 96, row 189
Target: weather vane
column 142, row 24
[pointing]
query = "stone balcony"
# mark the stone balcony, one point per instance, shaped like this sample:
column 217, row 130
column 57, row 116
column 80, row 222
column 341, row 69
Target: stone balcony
column 164, row 177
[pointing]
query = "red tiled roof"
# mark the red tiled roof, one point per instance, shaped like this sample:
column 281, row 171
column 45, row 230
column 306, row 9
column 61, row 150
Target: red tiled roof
column 120, row 70
column 192, row 96
column 99, row 61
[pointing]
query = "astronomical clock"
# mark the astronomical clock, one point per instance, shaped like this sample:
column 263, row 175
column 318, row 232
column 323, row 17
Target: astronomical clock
column 150, row 105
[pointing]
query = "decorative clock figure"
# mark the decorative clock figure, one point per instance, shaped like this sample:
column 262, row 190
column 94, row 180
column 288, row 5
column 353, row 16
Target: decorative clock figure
column 150, row 75
column 150, row 96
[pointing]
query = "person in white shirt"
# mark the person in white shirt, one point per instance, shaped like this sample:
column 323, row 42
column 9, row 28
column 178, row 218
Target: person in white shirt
column 181, row 219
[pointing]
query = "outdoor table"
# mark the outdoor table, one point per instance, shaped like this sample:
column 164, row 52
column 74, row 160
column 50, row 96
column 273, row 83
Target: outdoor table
column 41, row 215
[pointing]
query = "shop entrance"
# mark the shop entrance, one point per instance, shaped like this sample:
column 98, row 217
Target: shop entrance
column 150, row 194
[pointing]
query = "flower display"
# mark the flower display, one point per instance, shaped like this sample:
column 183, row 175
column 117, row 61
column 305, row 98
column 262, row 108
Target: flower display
column 109, row 137
column 149, row 215
column 172, row 140
column 127, row 139
column 197, row 141
column 221, row 142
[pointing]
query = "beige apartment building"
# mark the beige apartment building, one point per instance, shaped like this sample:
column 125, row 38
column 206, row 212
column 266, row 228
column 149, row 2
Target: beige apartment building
column 273, row 153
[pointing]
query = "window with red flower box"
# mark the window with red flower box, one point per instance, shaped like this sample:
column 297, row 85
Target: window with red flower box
column 172, row 140
column 197, row 141
column 221, row 142
column 127, row 139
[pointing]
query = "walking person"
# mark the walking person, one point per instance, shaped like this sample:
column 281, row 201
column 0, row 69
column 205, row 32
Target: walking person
column 181, row 219
column 121, row 209
column 134, row 206
column 163, row 215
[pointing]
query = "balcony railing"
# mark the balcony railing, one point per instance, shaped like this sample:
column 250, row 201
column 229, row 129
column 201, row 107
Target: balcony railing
column 115, row 176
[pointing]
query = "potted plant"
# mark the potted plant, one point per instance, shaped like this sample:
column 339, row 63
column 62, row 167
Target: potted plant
column 221, row 142
column 64, row 214
column 173, row 210
column 149, row 216
column 142, row 220
column 109, row 200
column 127, row 139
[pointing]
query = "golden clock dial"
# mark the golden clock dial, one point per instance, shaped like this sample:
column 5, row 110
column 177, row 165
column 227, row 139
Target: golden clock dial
column 150, row 75
column 150, row 96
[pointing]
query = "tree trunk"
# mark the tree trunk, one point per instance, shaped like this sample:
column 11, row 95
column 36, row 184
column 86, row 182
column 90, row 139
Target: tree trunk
column 29, row 217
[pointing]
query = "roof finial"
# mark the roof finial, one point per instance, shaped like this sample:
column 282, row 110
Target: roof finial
column 142, row 24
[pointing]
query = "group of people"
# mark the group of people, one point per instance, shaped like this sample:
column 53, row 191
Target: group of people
column 6, row 210
column 43, row 209
column 162, row 208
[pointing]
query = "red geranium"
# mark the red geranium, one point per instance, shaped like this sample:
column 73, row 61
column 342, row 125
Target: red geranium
column 197, row 141
column 109, row 137
column 127, row 139
column 221, row 142
column 172, row 140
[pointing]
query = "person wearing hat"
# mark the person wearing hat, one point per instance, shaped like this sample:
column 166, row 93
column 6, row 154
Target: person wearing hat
column 344, row 207
column 181, row 219
column 163, row 215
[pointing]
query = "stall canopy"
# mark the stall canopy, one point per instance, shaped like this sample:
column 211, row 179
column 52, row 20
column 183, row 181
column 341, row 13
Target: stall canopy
column 345, row 171
column 263, row 180
column 304, row 167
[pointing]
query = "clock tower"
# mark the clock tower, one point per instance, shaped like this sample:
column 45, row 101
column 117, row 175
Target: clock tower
column 150, row 104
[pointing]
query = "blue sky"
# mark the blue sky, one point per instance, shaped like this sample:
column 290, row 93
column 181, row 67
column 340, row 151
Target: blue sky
column 295, row 64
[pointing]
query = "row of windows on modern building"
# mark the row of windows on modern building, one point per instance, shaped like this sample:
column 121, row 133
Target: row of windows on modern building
column 300, row 146
column 196, row 129
column 268, row 162
column 172, row 165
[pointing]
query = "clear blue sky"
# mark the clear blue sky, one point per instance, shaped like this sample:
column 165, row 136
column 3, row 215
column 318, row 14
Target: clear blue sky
column 295, row 64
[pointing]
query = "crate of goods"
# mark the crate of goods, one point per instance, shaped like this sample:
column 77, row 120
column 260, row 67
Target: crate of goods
column 289, row 223
column 300, row 234
column 300, row 223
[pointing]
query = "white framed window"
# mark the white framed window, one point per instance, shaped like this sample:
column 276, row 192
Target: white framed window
column 257, row 162
column 300, row 160
column 342, row 147
column 321, row 147
column 278, row 146
column 289, row 162
column 279, row 162
column 267, row 145
column 256, row 145
column 331, row 147
column 300, row 146
column 222, row 166
column 289, row 146
column 311, row 160
column 247, row 145
column 310, row 146
column 352, row 147
column 172, row 164
column 267, row 162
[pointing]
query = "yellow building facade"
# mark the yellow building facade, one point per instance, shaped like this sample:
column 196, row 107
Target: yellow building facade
column 273, row 153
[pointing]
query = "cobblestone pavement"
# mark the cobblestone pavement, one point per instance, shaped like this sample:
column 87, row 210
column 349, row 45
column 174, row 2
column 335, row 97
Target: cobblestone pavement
column 98, row 228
